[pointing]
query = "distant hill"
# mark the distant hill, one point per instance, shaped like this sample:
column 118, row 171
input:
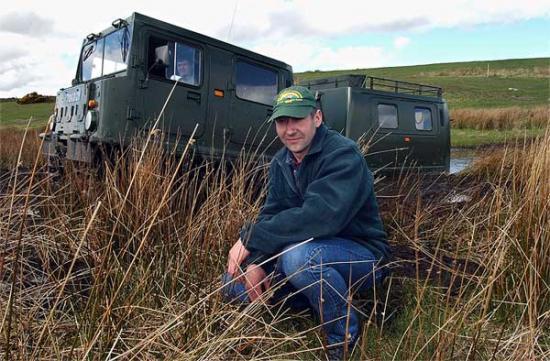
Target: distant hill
column 475, row 84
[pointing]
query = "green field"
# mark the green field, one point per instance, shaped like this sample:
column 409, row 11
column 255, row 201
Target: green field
column 468, row 138
column 477, row 84
column 17, row 116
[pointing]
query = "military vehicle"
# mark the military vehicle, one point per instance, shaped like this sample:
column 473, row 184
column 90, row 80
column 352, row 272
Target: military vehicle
column 141, row 69
column 404, row 124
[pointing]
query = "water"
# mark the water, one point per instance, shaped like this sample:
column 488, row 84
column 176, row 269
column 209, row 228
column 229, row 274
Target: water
column 461, row 158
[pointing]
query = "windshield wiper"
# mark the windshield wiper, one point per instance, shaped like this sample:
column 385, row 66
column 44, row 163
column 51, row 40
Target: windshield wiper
column 88, row 52
column 124, row 43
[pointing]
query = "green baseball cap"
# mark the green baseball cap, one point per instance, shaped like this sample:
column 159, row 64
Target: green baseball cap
column 295, row 102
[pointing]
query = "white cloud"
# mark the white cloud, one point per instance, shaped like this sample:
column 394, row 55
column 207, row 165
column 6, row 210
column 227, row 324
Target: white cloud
column 401, row 42
column 26, row 22
column 306, row 35
column 314, row 55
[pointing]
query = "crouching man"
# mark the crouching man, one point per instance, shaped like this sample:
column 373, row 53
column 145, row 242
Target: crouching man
column 321, row 192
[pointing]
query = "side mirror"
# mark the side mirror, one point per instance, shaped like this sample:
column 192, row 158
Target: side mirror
column 74, row 82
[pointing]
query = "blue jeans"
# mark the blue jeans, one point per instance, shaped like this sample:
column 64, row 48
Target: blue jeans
column 321, row 274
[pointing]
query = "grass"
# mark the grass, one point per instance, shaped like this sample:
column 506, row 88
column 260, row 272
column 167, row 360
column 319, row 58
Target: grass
column 476, row 127
column 468, row 84
column 471, row 138
column 128, row 266
column 12, row 141
column 501, row 118
column 17, row 116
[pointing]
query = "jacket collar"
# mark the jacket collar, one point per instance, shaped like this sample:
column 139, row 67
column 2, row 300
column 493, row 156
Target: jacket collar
column 316, row 144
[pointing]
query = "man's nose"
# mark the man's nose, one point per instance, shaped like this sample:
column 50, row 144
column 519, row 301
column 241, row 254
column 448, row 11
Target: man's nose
column 290, row 126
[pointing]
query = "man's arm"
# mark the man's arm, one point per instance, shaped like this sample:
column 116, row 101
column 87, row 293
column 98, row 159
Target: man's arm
column 271, row 207
column 330, row 202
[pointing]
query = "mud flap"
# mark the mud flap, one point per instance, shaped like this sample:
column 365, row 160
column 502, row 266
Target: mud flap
column 79, row 151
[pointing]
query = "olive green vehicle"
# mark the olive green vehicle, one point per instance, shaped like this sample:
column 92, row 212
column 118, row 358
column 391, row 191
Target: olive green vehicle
column 404, row 125
column 141, row 71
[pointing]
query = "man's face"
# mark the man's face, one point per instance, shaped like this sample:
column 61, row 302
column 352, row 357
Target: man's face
column 297, row 134
column 184, row 67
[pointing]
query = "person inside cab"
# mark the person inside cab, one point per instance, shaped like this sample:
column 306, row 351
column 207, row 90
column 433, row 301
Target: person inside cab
column 185, row 71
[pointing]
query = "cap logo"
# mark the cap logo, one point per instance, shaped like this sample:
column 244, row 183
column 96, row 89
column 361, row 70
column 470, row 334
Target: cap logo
column 289, row 97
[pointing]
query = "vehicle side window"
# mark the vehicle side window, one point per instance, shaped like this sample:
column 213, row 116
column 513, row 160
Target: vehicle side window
column 423, row 118
column 387, row 116
column 175, row 61
column 186, row 66
column 255, row 83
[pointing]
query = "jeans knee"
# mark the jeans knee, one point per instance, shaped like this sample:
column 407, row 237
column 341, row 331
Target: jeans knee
column 294, row 261
column 300, row 263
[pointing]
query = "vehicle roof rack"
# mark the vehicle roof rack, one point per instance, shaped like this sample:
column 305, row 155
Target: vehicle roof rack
column 374, row 83
column 398, row 86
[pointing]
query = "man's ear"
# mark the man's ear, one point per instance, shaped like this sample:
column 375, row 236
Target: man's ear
column 318, row 118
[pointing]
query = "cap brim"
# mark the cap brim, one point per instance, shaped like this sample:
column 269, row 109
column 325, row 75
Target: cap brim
column 291, row 111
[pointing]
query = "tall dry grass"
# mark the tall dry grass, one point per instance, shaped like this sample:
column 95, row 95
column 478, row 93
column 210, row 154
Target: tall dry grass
column 14, row 140
column 484, row 248
column 501, row 118
column 128, row 266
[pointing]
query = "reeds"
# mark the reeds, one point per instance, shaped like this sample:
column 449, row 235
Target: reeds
column 480, row 274
column 128, row 266
column 11, row 141
column 501, row 118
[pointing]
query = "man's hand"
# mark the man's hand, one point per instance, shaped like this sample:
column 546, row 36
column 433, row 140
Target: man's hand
column 255, row 278
column 237, row 255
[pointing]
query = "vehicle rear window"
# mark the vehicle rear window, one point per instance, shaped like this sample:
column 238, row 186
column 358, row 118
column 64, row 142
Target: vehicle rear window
column 387, row 116
column 175, row 61
column 255, row 83
column 423, row 118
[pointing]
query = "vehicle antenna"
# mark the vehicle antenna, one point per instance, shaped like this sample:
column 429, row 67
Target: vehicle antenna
column 232, row 20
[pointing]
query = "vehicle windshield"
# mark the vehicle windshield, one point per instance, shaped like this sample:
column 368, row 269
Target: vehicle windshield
column 106, row 55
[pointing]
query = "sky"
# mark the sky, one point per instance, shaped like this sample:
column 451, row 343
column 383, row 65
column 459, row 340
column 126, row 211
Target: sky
column 40, row 41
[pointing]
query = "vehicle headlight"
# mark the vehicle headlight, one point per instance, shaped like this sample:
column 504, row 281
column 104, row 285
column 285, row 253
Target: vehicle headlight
column 90, row 123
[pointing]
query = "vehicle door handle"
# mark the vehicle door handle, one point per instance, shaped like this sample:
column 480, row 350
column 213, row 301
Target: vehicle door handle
column 191, row 95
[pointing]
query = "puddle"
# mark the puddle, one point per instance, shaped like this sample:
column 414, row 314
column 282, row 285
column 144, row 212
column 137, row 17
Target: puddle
column 461, row 158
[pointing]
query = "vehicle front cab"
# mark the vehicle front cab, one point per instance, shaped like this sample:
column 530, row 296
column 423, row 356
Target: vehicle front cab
column 102, row 72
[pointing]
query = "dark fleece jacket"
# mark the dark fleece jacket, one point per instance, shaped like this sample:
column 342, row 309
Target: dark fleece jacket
column 331, row 195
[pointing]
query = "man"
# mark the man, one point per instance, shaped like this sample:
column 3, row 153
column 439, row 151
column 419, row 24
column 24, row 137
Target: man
column 320, row 191
column 184, row 72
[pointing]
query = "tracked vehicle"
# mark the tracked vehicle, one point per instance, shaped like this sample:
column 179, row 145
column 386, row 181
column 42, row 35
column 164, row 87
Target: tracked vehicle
column 138, row 66
column 404, row 124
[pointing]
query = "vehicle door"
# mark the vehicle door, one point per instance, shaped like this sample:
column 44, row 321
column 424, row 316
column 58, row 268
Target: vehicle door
column 177, row 65
column 425, row 142
column 255, row 86
column 389, row 142
column 219, row 101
